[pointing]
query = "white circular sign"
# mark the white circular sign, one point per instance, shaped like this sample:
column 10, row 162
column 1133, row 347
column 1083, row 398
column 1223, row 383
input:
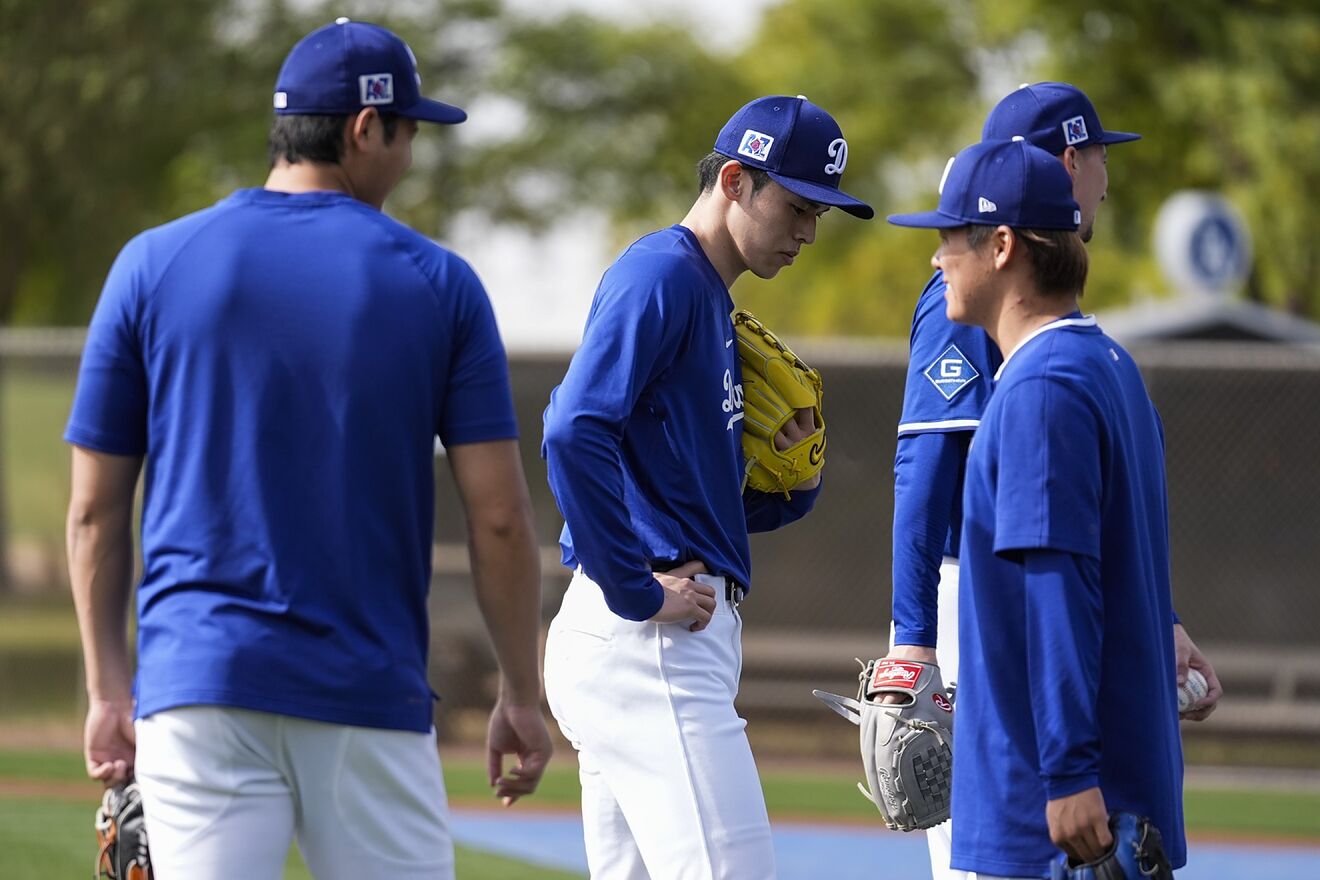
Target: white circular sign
column 1201, row 243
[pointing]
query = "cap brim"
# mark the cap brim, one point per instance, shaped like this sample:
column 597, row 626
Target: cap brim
column 434, row 111
column 1119, row 137
column 927, row 220
column 824, row 195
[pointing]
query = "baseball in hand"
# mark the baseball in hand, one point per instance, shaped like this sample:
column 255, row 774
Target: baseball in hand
column 1192, row 690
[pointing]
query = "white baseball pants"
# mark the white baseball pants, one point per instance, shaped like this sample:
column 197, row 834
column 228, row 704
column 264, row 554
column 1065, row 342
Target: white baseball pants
column 669, row 787
column 940, row 838
column 226, row 791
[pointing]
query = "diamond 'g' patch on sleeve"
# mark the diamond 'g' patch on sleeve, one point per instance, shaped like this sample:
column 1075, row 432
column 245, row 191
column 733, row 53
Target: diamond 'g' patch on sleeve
column 951, row 372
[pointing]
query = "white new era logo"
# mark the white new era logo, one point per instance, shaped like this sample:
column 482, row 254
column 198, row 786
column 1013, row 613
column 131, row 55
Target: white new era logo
column 985, row 206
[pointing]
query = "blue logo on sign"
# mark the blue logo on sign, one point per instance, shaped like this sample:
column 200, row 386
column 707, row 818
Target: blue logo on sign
column 951, row 372
column 1216, row 251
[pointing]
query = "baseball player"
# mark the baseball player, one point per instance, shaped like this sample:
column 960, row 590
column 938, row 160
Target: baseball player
column 642, row 442
column 1065, row 617
column 950, row 373
column 284, row 361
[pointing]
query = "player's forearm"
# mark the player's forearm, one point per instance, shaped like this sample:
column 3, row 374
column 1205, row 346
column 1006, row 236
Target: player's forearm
column 927, row 471
column 586, row 478
column 506, row 574
column 766, row 512
column 100, row 556
column 1064, row 614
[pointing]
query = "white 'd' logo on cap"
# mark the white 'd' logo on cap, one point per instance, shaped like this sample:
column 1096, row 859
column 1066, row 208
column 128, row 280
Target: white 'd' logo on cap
column 377, row 88
column 838, row 150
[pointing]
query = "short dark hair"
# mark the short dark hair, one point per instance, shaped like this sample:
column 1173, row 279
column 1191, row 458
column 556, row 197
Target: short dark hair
column 1057, row 256
column 708, row 171
column 298, row 138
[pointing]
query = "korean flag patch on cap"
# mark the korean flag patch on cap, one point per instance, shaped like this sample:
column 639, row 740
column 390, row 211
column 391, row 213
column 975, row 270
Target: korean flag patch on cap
column 755, row 145
column 1074, row 130
column 377, row 88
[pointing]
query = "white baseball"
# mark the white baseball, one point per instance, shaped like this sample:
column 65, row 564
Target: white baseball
column 1192, row 690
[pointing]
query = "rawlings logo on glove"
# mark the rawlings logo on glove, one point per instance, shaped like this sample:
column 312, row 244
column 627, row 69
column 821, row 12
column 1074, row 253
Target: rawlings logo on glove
column 907, row 746
column 776, row 384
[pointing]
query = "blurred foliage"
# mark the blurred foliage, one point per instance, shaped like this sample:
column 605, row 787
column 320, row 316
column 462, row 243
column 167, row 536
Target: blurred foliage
column 134, row 111
column 1224, row 92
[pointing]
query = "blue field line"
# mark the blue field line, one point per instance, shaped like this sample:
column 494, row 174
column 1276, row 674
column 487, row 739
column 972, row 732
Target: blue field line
column 849, row 852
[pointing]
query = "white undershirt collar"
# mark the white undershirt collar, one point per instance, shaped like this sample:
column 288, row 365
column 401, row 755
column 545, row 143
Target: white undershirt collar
column 1084, row 321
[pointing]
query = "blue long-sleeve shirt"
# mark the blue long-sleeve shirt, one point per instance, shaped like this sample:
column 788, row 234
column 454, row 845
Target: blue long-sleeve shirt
column 948, row 384
column 643, row 439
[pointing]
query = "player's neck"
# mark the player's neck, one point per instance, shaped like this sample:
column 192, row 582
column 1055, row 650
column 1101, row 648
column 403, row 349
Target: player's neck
column 1025, row 311
column 705, row 221
column 304, row 177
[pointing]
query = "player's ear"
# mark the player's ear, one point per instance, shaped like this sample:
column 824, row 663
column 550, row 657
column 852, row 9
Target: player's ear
column 1005, row 245
column 362, row 128
column 732, row 181
column 1070, row 158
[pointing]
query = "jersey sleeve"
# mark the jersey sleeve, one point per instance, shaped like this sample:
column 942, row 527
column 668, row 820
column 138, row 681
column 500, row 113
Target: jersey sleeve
column 1064, row 616
column 634, row 331
column 478, row 404
column 110, row 406
column 767, row 511
column 1048, row 489
column 928, row 472
column 950, row 369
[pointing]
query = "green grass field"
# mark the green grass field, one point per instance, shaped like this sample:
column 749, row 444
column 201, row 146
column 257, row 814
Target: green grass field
column 50, row 835
column 45, row 826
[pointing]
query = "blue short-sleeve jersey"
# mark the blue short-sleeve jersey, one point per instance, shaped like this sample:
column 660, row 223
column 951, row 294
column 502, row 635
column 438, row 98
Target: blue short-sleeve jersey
column 1067, row 675
column 285, row 363
column 643, row 439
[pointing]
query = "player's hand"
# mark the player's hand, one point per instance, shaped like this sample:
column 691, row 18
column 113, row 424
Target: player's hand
column 795, row 430
column 1079, row 825
column 685, row 599
column 1189, row 656
column 109, row 741
column 919, row 653
column 516, row 730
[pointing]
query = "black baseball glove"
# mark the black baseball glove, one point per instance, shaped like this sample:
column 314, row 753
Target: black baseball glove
column 1137, row 854
column 121, row 833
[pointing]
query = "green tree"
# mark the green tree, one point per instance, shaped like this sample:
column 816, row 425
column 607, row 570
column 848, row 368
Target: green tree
column 1223, row 92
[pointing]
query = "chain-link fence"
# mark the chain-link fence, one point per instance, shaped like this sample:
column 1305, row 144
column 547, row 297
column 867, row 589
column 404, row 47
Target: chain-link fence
column 1244, row 489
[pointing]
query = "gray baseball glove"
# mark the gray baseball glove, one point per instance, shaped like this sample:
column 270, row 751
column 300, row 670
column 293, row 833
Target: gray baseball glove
column 907, row 747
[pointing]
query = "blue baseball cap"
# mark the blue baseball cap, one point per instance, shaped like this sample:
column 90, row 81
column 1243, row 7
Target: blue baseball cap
column 1052, row 115
column 1001, row 183
column 348, row 66
column 798, row 144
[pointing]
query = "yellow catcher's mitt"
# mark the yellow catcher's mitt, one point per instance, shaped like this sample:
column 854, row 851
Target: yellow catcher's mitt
column 776, row 384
